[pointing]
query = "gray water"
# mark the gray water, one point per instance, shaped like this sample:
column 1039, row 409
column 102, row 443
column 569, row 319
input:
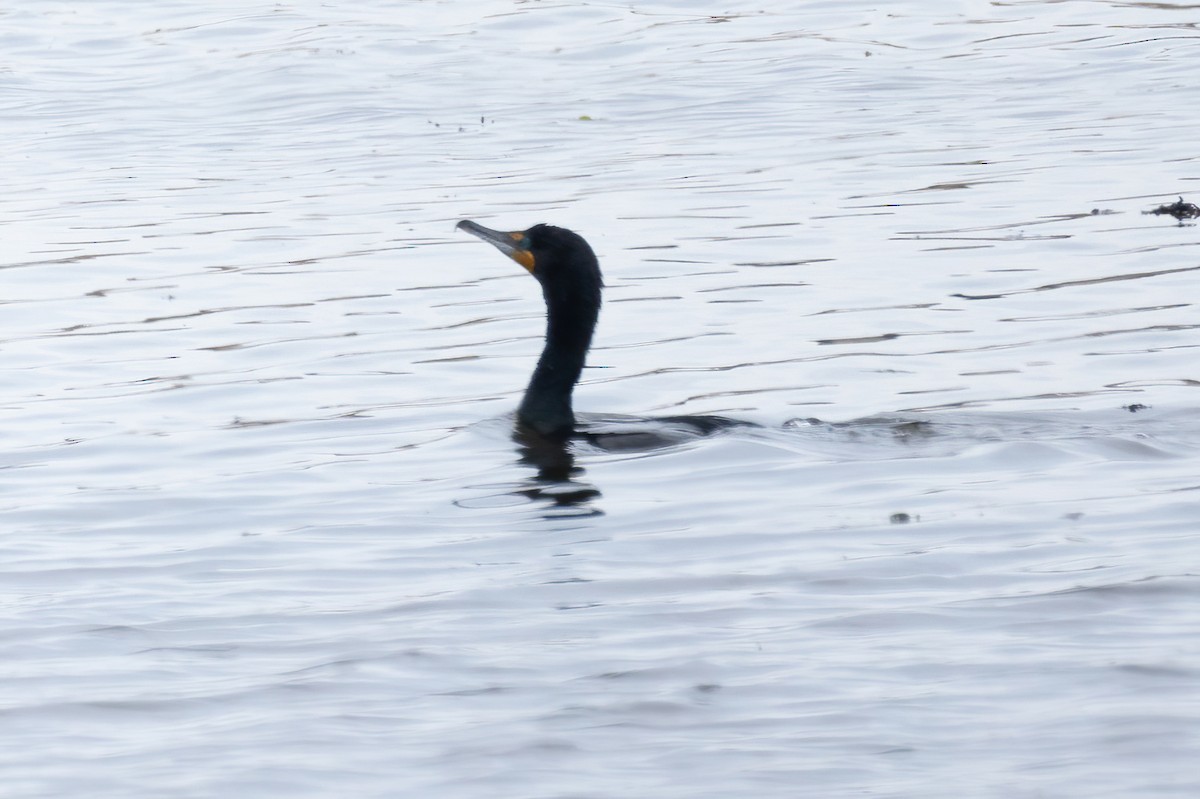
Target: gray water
column 265, row 528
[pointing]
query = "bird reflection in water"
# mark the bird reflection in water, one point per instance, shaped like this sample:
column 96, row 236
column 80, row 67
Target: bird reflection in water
column 559, row 480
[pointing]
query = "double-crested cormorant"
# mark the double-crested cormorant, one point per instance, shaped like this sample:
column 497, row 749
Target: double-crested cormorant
column 569, row 274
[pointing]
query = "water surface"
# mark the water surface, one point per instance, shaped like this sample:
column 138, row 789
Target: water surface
column 266, row 530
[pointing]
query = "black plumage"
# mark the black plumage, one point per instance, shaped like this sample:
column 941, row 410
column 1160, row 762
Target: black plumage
column 569, row 274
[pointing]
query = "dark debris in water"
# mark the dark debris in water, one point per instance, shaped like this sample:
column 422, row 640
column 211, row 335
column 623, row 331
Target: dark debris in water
column 1178, row 209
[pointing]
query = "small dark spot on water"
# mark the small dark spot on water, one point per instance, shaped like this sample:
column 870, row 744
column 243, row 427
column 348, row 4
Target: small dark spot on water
column 1178, row 209
column 860, row 339
column 902, row 518
column 1135, row 407
column 977, row 296
column 1073, row 516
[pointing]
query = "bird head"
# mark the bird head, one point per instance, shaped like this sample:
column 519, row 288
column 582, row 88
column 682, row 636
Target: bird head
column 560, row 259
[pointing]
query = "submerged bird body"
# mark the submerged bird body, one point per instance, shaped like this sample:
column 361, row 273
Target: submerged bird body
column 569, row 274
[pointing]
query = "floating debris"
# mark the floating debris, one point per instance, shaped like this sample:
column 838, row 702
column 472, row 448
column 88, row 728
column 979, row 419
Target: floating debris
column 1180, row 210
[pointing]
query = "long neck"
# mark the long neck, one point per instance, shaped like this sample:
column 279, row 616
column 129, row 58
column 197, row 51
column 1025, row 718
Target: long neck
column 546, row 406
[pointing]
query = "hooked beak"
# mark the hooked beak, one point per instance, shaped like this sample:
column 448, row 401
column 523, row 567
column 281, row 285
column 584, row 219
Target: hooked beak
column 513, row 244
